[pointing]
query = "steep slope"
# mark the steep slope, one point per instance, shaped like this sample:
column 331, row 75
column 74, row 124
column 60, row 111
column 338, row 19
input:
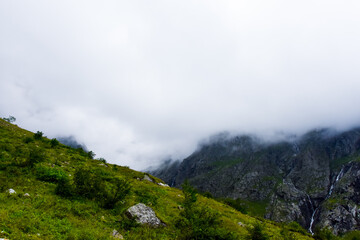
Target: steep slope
column 284, row 181
column 51, row 191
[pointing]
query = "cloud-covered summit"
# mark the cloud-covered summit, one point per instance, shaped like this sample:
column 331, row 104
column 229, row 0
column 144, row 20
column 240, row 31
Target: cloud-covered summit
column 141, row 81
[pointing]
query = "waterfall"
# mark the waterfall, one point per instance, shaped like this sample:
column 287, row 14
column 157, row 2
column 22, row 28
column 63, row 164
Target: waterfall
column 313, row 213
column 312, row 221
column 341, row 173
column 338, row 177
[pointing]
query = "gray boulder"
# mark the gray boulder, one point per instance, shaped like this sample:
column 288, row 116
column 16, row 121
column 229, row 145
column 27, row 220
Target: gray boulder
column 147, row 178
column 144, row 215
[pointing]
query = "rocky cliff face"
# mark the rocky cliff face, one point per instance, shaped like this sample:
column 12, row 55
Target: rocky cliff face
column 314, row 180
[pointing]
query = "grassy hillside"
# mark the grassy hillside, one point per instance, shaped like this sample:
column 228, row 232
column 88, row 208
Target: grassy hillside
column 49, row 202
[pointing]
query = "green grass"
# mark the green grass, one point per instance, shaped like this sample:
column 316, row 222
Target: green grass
column 36, row 166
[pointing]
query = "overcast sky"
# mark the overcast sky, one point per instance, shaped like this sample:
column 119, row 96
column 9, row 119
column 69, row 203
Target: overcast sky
column 141, row 81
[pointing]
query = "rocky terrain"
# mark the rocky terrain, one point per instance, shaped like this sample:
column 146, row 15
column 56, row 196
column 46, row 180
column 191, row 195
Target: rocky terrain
column 313, row 180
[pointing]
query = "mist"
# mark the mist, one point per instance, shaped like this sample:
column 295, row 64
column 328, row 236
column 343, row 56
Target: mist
column 139, row 82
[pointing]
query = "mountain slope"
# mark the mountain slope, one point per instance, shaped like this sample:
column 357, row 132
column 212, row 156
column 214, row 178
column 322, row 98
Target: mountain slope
column 49, row 201
column 289, row 181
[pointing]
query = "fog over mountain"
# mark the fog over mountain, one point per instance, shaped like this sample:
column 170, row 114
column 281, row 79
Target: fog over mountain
column 142, row 81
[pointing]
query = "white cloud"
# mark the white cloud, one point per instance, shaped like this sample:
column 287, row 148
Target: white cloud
column 140, row 81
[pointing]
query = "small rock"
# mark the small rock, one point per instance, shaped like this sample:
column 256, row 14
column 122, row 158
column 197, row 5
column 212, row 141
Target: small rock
column 26, row 195
column 116, row 234
column 11, row 191
column 163, row 184
column 146, row 177
column 241, row 224
column 144, row 215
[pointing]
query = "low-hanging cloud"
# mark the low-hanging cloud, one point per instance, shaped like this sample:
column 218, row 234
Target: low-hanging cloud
column 140, row 81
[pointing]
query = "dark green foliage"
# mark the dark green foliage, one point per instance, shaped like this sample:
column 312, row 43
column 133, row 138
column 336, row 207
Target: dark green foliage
column 287, row 235
column 237, row 204
column 207, row 195
column 324, row 234
column 128, row 223
column 199, row 222
column 38, row 135
column 106, row 190
column 257, row 232
column 28, row 140
column 54, row 142
column 10, row 119
column 50, row 174
column 354, row 235
column 296, row 227
column 87, row 184
column 190, row 195
column 64, row 188
column 35, row 156
column 91, row 154
column 114, row 192
column 103, row 160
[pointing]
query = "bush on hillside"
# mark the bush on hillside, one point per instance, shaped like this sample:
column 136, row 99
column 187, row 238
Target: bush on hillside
column 10, row 119
column 38, row 135
column 115, row 191
column 35, row 156
column 54, row 142
column 236, row 203
column 50, row 174
column 257, row 232
column 199, row 222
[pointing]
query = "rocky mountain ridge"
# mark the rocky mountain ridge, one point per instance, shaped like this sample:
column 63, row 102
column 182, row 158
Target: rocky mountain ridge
column 313, row 180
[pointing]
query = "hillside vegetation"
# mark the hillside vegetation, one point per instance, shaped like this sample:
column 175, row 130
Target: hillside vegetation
column 63, row 193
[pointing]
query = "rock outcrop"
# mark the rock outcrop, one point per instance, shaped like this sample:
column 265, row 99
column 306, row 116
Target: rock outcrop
column 144, row 215
column 313, row 180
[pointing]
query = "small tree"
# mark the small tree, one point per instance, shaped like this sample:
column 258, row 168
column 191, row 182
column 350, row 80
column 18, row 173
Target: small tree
column 116, row 192
column 257, row 232
column 199, row 222
column 10, row 119
column 91, row 154
column 38, row 135
column 54, row 142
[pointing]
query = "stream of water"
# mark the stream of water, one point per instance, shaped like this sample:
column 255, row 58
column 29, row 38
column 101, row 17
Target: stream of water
column 338, row 177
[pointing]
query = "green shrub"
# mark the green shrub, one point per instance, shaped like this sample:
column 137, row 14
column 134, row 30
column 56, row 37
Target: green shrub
column 257, row 232
column 199, row 222
column 10, row 119
column 296, row 227
column 115, row 191
column 64, row 188
column 324, row 234
column 35, row 156
column 104, row 189
column 54, row 142
column 87, row 184
column 28, row 140
column 237, row 204
column 49, row 174
column 91, row 154
column 353, row 235
column 38, row 135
